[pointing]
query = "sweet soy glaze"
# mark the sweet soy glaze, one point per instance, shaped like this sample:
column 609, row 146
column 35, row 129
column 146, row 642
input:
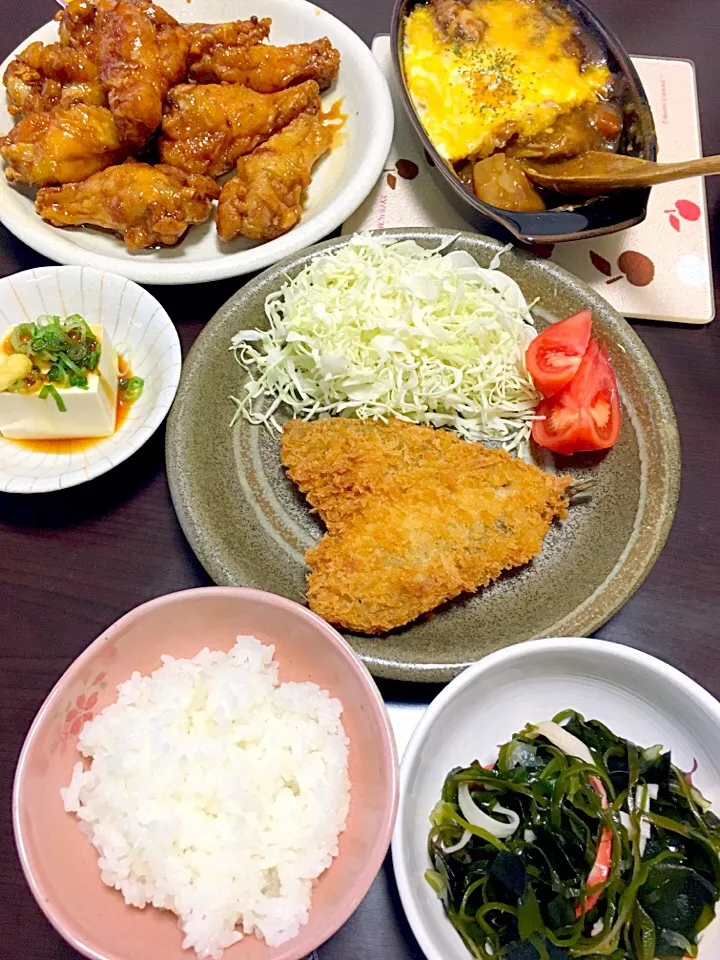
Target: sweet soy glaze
column 335, row 117
column 77, row 444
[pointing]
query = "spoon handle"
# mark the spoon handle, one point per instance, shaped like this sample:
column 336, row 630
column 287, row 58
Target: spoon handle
column 665, row 172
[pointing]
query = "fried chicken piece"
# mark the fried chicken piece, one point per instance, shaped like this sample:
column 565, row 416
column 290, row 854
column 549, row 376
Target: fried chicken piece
column 458, row 19
column 147, row 205
column 264, row 199
column 206, row 127
column 206, row 37
column 44, row 75
column 77, row 23
column 139, row 62
column 63, row 146
column 140, row 51
column 267, row 69
column 416, row 516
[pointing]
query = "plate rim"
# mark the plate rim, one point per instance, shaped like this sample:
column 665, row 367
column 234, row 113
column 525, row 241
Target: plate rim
column 581, row 621
column 53, row 242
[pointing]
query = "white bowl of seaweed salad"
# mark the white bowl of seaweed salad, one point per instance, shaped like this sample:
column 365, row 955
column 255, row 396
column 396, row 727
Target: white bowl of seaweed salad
column 559, row 800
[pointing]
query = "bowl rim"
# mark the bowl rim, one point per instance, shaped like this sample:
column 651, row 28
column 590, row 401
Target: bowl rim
column 155, row 414
column 354, row 187
column 520, row 224
column 383, row 837
column 557, row 645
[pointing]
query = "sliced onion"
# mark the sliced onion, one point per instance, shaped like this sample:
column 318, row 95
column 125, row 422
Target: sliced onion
column 478, row 818
column 565, row 741
column 462, row 842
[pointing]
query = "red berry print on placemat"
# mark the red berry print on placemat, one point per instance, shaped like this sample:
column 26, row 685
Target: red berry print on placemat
column 639, row 269
column 685, row 209
column 407, row 169
column 635, row 267
column 688, row 210
column 431, row 162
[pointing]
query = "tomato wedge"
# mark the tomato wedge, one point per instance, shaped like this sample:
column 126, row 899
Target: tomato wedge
column 554, row 356
column 585, row 414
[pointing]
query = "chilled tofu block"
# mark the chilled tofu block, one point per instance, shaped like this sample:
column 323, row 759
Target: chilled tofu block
column 88, row 413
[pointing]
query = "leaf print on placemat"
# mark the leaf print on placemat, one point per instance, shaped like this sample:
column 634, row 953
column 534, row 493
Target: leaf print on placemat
column 601, row 264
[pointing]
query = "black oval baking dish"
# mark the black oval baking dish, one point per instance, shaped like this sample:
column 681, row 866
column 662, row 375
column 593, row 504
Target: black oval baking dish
column 586, row 218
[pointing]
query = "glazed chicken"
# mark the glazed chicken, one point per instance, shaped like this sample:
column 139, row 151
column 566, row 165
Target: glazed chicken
column 140, row 51
column 126, row 83
column 147, row 205
column 264, row 199
column 207, row 127
column 62, row 146
column 267, row 69
column 43, row 76
column 77, row 23
column 205, row 37
column 458, row 20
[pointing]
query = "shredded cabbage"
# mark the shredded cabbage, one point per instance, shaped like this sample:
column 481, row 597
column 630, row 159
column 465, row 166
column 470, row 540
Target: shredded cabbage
column 381, row 328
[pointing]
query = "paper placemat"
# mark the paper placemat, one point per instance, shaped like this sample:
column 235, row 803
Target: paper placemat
column 658, row 270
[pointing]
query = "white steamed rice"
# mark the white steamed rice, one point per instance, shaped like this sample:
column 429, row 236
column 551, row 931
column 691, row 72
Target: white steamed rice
column 216, row 792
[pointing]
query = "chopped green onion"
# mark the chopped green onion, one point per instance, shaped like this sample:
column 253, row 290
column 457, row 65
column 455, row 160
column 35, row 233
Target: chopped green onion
column 67, row 362
column 131, row 388
column 78, row 380
column 21, row 336
column 78, row 353
column 49, row 391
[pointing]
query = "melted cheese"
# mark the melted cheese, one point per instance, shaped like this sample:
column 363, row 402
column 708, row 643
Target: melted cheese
column 472, row 97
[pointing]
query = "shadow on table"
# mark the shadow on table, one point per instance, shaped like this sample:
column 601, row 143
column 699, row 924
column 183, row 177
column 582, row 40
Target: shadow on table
column 378, row 929
column 89, row 500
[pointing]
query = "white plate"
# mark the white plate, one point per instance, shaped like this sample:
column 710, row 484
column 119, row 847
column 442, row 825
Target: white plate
column 142, row 331
column 636, row 695
column 340, row 183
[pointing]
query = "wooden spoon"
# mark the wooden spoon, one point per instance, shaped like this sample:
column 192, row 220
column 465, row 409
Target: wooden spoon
column 598, row 172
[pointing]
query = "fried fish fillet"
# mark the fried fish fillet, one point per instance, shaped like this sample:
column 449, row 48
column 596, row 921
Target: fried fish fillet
column 338, row 463
column 415, row 516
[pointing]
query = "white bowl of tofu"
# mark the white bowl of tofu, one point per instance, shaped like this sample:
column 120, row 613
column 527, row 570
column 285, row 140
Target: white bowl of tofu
column 89, row 367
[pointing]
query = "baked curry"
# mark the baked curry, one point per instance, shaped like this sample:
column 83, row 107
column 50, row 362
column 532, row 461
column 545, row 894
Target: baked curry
column 496, row 82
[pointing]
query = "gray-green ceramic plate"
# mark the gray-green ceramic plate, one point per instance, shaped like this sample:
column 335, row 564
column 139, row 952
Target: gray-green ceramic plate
column 248, row 524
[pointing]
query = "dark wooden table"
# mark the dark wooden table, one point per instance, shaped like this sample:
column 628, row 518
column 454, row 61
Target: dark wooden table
column 72, row 563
